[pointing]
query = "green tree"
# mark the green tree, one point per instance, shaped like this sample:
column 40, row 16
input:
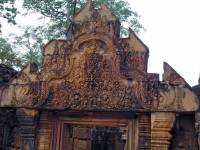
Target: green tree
column 8, row 56
column 8, row 11
column 60, row 11
column 31, row 42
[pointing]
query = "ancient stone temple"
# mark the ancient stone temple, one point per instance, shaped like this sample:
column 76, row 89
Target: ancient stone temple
column 94, row 93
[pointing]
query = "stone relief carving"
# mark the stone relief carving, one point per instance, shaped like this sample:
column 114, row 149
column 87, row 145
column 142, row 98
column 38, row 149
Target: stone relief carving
column 174, row 92
column 96, row 70
column 92, row 75
column 96, row 82
column 22, row 89
column 176, row 98
column 161, row 127
column 172, row 77
column 56, row 63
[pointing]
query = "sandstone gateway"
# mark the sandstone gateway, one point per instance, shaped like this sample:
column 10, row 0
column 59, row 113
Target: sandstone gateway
column 94, row 93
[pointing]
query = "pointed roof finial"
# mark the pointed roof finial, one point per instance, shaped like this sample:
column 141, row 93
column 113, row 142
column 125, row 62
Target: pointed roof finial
column 84, row 13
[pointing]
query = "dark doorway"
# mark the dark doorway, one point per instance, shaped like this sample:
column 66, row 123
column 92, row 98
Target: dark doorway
column 84, row 137
column 184, row 135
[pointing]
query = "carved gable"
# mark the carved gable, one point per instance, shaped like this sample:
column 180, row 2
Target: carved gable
column 175, row 93
column 92, row 74
column 95, row 70
column 171, row 76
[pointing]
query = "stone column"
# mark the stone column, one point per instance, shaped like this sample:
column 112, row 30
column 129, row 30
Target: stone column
column 161, row 125
column 28, row 120
column 197, row 126
column 144, row 131
column 45, row 132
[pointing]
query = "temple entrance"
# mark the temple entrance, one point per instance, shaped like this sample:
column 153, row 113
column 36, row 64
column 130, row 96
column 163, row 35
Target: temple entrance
column 96, row 134
column 83, row 137
column 184, row 134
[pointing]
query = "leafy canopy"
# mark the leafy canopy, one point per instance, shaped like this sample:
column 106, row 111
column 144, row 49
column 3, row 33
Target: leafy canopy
column 7, row 55
column 30, row 41
column 8, row 11
column 60, row 10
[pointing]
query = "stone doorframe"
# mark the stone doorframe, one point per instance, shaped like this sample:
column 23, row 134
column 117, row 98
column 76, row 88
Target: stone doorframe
column 130, row 126
column 161, row 126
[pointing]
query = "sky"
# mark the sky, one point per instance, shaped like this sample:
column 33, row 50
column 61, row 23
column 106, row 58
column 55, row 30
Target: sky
column 172, row 34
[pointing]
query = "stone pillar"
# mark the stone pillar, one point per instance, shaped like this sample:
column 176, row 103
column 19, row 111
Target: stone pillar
column 144, row 131
column 28, row 120
column 161, row 125
column 45, row 132
column 197, row 126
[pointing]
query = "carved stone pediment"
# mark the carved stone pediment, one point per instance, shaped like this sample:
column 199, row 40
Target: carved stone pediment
column 175, row 93
column 21, row 89
column 176, row 98
column 172, row 77
column 93, row 73
column 97, row 70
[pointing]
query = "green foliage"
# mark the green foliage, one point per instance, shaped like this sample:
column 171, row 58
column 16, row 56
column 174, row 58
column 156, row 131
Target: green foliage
column 8, row 11
column 31, row 42
column 7, row 55
column 59, row 11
